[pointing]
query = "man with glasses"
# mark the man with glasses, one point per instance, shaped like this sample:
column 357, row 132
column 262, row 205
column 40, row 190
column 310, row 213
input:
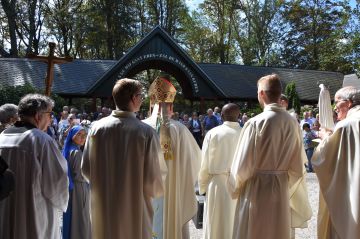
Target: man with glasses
column 336, row 162
column 41, row 183
column 121, row 160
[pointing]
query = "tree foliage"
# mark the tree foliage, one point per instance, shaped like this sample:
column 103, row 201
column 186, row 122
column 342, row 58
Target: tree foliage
column 315, row 35
column 257, row 30
column 307, row 34
column 219, row 14
column 355, row 38
column 291, row 93
column 13, row 94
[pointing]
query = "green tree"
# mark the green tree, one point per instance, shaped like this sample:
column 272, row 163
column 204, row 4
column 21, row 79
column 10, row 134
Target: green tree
column 169, row 14
column 13, row 94
column 29, row 25
column 257, row 26
column 111, row 27
column 355, row 38
column 199, row 45
column 291, row 93
column 61, row 22
column 9, row 7
column 315, row 31
column 219, row 16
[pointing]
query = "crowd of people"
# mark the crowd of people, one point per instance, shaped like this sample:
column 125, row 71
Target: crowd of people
column 113, row 174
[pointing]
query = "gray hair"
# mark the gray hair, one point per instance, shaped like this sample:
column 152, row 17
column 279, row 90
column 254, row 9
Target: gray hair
column 7, row 111
column 31, row 104
column 349, row 93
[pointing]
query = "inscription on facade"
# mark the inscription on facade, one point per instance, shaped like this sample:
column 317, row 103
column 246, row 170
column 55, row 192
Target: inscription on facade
column 162, row 56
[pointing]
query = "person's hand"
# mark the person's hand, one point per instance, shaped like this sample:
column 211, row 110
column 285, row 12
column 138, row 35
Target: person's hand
column 324, row 132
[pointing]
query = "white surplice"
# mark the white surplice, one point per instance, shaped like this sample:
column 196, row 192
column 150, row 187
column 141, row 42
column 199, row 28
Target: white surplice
column 33, row 210
column 337, row 165
column 217, row 154
column 267, row 172
column 121, row 161
column 180, row 204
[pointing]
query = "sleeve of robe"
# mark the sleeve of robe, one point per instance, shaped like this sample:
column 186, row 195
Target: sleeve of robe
column 85, row 164
column 192, row 151
column 242, row 167
column 204, row 177
column 188, row 166
column 54, row 175
column 154, row 169
column 299, row 202
column 336, row 163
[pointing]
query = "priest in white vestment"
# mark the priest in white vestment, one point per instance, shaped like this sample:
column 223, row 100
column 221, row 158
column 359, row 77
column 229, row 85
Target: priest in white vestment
column 337, row 166
column 217, row 155
column 183, row 158
column 121, row 160
column 268, row 163
column 41, row 194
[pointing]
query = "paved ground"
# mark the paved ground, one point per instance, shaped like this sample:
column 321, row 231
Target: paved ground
column 307, row 233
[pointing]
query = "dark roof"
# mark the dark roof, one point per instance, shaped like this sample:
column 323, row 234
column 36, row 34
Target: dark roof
column 158, row 50
column 351, row 80
column 73, row 78
column 236, row 81
column 239, row 81
column 208, row 81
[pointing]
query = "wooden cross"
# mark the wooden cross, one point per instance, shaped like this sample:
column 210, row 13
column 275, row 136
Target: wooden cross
column 50, row 60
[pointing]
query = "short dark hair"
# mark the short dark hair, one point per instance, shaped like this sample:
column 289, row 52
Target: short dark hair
column 31, row 104
column 123, row 90
column 306, row 125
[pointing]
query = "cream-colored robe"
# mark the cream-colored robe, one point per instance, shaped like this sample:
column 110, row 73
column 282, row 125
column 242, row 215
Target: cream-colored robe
column 337, row 165
column 267, row 172
column 33, row 210
column 179, row 199
column 121, row 160
column 217, row 155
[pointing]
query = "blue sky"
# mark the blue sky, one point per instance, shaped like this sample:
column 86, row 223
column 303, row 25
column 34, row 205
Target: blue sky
column 193, row 4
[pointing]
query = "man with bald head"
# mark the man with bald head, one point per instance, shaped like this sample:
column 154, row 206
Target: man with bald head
column 217, row 155
column 267, row 169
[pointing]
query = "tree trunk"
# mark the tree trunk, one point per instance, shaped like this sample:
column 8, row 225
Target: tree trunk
column 9, row 9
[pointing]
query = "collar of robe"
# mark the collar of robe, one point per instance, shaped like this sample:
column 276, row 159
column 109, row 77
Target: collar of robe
column 353, row 110
column 123, row 114
column 273, row 107
column 19, row 127
column 231, row 123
